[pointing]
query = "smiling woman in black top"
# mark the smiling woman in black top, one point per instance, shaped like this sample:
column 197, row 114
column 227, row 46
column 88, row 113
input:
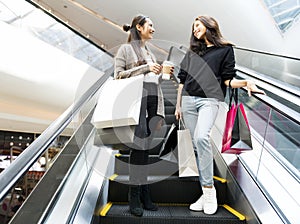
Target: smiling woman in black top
column 207, row 69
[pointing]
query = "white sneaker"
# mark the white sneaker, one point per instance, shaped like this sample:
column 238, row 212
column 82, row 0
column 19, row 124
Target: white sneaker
column 210, row 204
column 198, row 205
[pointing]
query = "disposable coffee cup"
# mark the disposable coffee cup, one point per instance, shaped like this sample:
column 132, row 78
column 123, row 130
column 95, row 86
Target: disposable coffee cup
column 166, row 70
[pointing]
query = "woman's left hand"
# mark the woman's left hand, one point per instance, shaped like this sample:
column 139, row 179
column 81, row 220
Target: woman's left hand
column 154, row 67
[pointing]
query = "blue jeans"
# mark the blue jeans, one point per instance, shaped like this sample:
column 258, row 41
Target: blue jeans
column 199, row 115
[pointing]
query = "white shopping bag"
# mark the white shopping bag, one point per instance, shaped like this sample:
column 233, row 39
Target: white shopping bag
column 119, row 103
column 116, row 135
column 186, row 156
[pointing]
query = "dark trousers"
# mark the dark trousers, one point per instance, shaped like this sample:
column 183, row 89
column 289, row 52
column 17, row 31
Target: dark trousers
column 139, row 154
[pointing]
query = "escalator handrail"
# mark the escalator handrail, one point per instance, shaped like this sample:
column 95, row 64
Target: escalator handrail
column 266, row 53
column 277, row 106
column 276, row 84
column 31, row 154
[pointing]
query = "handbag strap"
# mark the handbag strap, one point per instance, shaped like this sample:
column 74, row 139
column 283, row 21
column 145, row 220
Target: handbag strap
column 233, row 96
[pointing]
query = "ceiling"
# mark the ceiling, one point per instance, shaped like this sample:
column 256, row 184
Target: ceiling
column 247, row 24
column 101, row 21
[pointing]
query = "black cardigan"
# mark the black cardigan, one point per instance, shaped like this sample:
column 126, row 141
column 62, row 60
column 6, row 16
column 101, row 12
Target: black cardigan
column 204, row 75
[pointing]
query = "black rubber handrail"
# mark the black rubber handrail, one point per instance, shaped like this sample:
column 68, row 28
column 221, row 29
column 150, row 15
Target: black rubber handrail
column 280, row 108
column 272, row 82
column 10, row 176
column 266, row 53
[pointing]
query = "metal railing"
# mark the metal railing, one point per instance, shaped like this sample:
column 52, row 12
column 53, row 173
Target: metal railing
column 10, row 176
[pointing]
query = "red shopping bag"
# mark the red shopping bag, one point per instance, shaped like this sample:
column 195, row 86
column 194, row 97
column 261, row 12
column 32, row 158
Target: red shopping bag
column 237, row 135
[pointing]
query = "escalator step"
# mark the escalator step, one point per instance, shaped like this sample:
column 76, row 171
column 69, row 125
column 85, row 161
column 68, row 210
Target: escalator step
column 166, row 189
column 171, row 84
column 170, row 118
column 170, row 91
column 158, row 166
column 169, row 110
column 171, row 102
column 170, row 95
column 169, row 213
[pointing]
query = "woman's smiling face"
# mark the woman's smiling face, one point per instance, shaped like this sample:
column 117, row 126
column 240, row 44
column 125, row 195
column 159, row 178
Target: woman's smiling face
column 147, row 30
column 199, row 30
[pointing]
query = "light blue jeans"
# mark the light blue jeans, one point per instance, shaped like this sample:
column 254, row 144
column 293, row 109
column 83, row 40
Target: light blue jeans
column 199, row 115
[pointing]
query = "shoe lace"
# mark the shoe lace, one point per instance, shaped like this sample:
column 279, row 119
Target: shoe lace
column 210, row 195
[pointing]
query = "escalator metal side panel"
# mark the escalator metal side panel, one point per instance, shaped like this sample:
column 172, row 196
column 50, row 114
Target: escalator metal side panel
column 95, row 195
column 37, row 204
column 70, row 195
column 235, row 195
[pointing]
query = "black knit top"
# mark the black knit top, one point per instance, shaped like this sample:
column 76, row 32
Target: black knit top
column 204, row 75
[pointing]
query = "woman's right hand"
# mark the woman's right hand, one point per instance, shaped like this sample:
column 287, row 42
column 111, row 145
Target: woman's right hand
column 154, row 67
column 252, row 88
column 178, row 113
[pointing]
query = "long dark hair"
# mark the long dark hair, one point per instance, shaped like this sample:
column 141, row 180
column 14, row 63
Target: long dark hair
column 213, row 35
column 134, row 37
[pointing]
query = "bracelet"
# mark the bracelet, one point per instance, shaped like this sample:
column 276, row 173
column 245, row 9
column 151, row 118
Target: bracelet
column 230, row 83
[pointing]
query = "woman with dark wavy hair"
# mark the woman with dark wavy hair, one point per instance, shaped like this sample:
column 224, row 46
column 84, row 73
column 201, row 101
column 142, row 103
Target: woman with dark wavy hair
column 207, row 69
column 132, row 59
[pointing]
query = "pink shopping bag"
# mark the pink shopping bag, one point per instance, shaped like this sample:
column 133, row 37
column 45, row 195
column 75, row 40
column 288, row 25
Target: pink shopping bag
column 237, row 135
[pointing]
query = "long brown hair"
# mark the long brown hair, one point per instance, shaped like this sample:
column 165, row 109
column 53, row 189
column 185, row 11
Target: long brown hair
column 134, row 37
column 213, row 35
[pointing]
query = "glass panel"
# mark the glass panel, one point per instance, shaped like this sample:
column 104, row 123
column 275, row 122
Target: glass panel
column 277, row 133
column 26, row 16
column 284, row 12
column 274, row 161
column 282, row 69
column 257, row 112
column 284, row 136
column 23, row 15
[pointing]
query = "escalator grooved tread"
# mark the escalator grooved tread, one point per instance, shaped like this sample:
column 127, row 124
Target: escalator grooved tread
column 175, row 214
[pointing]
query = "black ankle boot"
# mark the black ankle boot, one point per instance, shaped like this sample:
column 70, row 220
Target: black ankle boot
column 146, row 199
column 134, row 201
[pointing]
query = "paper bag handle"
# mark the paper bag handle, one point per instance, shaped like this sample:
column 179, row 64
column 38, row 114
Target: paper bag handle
column 181, row 124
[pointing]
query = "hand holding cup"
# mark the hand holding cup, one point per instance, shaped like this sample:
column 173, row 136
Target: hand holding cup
column 167, row 70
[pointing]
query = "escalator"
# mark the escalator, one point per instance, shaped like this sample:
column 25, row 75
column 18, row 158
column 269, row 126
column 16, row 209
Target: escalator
column 240, row 197
column 75, row 180
column 172, row 194
column 88, row 183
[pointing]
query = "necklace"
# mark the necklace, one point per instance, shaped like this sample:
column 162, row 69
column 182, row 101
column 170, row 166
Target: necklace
column 147, row 55
column 145, row 50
